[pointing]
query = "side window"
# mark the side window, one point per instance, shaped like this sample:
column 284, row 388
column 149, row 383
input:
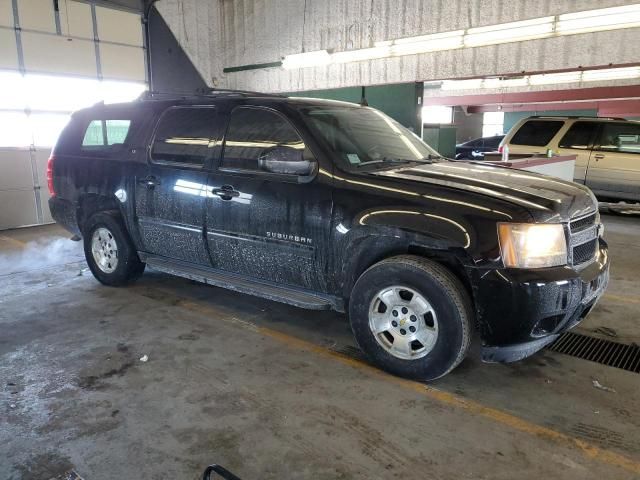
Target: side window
column 620, row 137
column 254, row 133
column 579, row 135
column 102, row 134
column 184, row 136
column 536, row 133
column 493, row 142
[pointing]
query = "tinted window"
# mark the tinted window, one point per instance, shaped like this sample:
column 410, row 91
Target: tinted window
column 474, row 143
column 252, row 133
column 184, row 136
column 579, row 135
column 105, row 133
column 493, row 142
column 536, row 133
column 620, row 137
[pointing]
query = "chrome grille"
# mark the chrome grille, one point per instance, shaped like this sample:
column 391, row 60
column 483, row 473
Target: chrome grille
column 582, row 223
column 583, row 239
column 585, row 252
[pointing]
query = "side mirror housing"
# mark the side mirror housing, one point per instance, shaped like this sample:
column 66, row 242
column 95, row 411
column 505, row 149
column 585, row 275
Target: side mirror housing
column 286, row 161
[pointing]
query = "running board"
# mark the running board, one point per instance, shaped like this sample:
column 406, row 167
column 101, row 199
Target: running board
column 293, row 296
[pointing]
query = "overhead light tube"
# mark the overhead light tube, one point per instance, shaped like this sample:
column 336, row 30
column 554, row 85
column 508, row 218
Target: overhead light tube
column 306, row 59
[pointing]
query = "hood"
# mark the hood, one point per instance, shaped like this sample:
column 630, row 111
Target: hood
column 548, row 199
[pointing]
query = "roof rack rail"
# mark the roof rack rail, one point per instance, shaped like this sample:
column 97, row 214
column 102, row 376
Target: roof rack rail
column 577, row 116
column 202, row 93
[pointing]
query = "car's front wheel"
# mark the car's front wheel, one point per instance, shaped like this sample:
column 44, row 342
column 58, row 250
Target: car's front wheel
column 412, row 317
column 111, row 256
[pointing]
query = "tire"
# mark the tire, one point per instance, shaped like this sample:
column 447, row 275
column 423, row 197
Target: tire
column 106, row 239
column 440, row 317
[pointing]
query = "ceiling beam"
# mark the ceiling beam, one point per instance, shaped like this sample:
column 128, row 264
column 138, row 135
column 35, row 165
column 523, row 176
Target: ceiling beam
column 539, row 97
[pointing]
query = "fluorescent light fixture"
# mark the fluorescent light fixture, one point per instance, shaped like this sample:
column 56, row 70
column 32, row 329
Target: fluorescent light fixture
column 306, row 59
column 360, row 54
column 627, row 16
column 505, row 82
column 424, row 43
column 509, row 32
column 422, row 38
column 611, row 74
column 554, row 78
column 577, row 76
column 614, row 18
column 471, row 84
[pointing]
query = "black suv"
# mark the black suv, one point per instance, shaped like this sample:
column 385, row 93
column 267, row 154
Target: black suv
column 476, row 148
column 331, row 205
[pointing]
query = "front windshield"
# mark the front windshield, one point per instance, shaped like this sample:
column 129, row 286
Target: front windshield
column 361, row 136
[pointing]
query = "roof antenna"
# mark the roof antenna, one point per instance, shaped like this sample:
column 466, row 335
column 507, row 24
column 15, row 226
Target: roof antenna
column 363, row 99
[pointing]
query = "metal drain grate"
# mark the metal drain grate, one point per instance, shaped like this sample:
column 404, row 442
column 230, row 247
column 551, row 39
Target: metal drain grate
column 599, row 350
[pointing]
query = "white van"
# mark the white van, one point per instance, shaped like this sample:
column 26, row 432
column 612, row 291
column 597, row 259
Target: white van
column 607, row 150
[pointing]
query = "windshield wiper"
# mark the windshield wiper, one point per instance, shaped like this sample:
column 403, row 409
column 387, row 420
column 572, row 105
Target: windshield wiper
column 385, row 160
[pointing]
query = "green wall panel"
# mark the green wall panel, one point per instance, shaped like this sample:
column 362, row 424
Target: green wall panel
column 399, row 101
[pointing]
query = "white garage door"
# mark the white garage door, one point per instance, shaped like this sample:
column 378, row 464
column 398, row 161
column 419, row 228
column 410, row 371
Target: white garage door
column 56, row 57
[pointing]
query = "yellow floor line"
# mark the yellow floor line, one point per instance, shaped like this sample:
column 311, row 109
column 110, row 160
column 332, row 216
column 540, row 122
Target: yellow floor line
column 12, row 241
column 622, row 298
column 587, row 449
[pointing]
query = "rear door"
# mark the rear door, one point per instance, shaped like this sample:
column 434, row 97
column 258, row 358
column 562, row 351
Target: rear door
column 614, row 169
column 578, row 141
column 262, row 224
column 171, row 191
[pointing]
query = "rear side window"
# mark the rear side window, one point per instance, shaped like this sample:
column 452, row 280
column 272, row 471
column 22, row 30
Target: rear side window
column 493, row 142
column 252, row 132
column 103, row 134
column 184, row 136
column 579, row 135
column 536, row 133
column 620, row 137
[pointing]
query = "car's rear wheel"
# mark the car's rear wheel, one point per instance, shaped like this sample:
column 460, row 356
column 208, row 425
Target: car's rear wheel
column 412, row 317
column 111, row 256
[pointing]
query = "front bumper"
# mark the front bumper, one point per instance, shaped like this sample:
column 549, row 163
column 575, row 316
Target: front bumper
column 522, row 311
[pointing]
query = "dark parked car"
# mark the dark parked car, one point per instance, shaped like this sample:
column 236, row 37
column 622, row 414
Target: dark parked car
column 475, row 149
column 331, row 205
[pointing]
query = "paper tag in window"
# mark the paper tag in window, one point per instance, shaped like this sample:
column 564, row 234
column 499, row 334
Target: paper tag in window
column 353, row 158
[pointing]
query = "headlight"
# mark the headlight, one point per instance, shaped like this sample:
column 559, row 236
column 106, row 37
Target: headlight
column 530, row 245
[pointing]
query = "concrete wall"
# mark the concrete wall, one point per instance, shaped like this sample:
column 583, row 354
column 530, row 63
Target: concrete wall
column 224, row 33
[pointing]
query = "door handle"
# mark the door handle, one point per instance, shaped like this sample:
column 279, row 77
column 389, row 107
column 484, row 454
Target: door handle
column 226, row 192
column 598, row 156
column 150, row 181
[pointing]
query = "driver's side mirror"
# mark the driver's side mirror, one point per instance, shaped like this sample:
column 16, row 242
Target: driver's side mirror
column 285, row 160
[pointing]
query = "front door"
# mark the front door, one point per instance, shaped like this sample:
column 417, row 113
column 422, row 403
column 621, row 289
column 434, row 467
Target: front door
column 614, row 169
column 578, row 141
column 171, row 193
column 271, row 225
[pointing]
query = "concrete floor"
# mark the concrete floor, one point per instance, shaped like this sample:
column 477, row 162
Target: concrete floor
column 271, row 391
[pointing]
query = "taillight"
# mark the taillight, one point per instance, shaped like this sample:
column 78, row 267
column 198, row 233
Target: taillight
column 500, row 148
column 50, row 175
